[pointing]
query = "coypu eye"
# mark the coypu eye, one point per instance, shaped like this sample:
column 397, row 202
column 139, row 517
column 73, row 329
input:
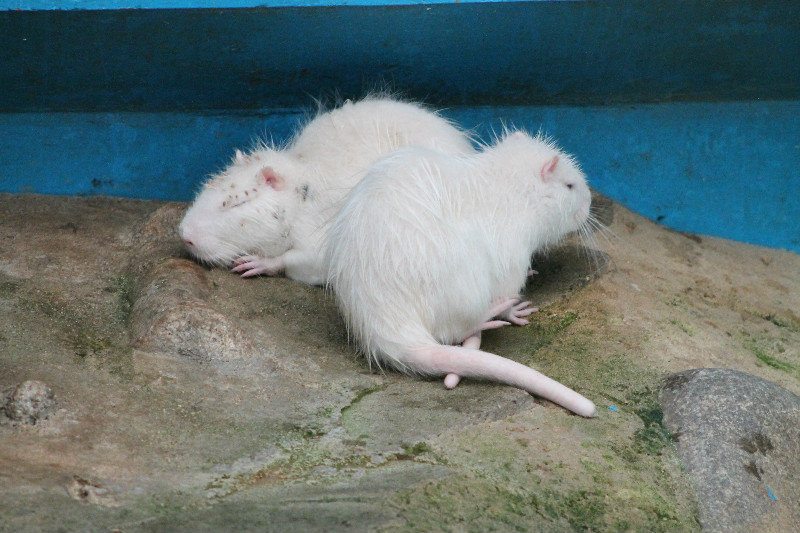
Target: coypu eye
column 570, row 185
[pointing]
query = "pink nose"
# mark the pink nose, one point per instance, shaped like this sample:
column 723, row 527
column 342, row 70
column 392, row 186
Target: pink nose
column 185, row 235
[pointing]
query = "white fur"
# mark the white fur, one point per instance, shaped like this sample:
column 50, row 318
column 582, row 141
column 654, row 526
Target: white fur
column 426, row 242
column 237, row 214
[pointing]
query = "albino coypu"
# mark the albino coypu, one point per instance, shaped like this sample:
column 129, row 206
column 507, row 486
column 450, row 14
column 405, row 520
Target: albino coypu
column 267, row 212
column 429, row 246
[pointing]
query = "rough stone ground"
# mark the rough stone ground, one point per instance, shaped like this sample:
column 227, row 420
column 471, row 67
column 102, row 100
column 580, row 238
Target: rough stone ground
column 189, row 399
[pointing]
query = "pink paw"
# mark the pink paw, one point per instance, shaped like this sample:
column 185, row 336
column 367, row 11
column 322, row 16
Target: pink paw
column 516, row 313
column 451, row 381
column 493, row 324
column 253, row 265
column 500, row 306
column 509, row 311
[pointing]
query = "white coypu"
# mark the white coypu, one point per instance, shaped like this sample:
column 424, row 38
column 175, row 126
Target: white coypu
column 268, row 211
column 428, row 247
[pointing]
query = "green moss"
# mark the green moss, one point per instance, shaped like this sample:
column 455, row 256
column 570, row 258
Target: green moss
column 417, row 449
column 85, row 343
column 651, row 439
column 677, row 301
column 325, row 412
column 566, row 320
column 648, row 409
column 771, row 361
column 311, row 431
column 302, row 457
column 617, row 471
column 298, row 466
column 683, row 327
column 359, row 441
column 8, row 288
column 360, row 396
column 653, row 436
column 124, row 287
column 583, row 509
column 412, row 451
column 115, row 359
column 790, row 322
column 546, row 327
column 48, row 305
column 757, row 349
column 464, row 503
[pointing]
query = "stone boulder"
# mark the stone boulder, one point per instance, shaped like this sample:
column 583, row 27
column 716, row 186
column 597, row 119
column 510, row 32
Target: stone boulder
column 738, row 436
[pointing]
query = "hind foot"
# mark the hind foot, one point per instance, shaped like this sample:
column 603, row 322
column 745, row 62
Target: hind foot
column 517, row 312
column 509, row 311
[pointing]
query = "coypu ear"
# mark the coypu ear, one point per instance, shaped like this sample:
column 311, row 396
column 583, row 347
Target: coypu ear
column 549, row 168
column 272, row 179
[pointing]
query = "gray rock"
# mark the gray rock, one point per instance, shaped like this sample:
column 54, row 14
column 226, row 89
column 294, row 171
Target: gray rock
column 29, row 402
column 156, row 238
column 171, row 315
column 170, row 312
column 739, row 439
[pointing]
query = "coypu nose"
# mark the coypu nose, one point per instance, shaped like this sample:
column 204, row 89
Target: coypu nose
column 185, row 235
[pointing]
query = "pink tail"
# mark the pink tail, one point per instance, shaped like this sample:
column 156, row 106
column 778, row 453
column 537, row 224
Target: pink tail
column 465, row 362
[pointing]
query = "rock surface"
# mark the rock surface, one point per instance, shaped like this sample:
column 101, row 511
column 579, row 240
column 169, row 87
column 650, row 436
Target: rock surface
column 191, row 399
column 739, row 437
column 28, row 402
column 170, row 315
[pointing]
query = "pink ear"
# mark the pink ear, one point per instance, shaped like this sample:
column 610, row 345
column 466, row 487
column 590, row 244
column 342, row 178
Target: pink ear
column 549, row 168
column 272, row 179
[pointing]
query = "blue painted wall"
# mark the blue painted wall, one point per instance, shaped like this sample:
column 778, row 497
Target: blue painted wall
column 687, row 112
column 727, row 169
column 33, row 5
column 493, row 53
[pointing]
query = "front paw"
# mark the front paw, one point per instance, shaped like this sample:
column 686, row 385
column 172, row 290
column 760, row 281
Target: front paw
column 254, row 265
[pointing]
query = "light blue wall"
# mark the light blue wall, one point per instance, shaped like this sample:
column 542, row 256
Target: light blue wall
column 727, row 169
